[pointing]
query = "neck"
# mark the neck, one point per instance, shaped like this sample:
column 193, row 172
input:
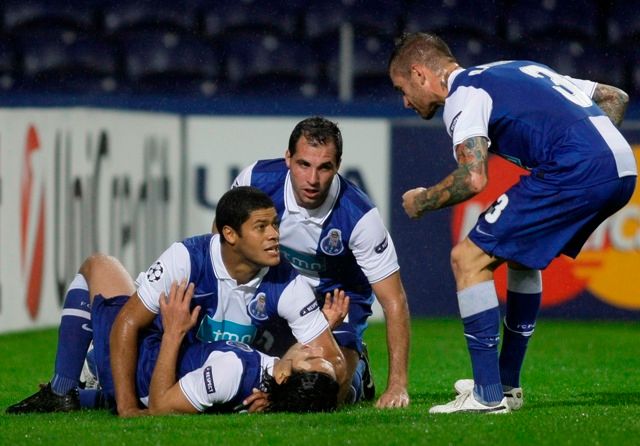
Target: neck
column 239, row 268
column 450, row 68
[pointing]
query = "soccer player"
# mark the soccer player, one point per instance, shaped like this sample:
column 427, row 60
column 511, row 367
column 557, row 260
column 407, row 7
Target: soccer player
column 581, row 171
column 333, row 235
column 240, row 286
column 219, row 376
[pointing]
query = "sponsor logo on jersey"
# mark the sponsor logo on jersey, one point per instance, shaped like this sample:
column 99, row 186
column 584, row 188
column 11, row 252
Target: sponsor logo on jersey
column 208, row 380
column 606, row 266
column 309, row 308
column 155, row 271
column 331, row 244
column 304, row 262
column 258, row 307
column 454, row 121
column 211, row 330
column 382, row 246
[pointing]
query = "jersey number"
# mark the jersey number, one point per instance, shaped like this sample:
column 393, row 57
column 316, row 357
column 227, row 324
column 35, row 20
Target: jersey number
column 493, row 214
column 561, row 84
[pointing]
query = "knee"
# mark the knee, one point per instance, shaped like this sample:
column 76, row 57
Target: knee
column 459, row 262
column 95, row 262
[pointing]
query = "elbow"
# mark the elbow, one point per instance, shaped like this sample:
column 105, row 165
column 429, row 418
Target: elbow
column 477, row 183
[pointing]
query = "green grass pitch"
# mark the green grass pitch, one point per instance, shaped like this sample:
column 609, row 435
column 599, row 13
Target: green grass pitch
column 581, row 381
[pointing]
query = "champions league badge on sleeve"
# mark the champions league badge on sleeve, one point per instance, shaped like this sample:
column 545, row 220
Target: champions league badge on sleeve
column 332, row 243
column 258, row 307
column 155, row 271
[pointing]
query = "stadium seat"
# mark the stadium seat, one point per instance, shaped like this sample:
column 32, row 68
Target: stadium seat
column 230, row 16
column 376, row 17
column 65, row 62
column 552, row 18
column 469, row 16
column 270, row 65
column 122, row 16
column 324, row 19
column 580, row 59
column 22, row 17
column 471, row 49
column 623, row 21
column 171, row 64
column 369, row 67
column 8, row 65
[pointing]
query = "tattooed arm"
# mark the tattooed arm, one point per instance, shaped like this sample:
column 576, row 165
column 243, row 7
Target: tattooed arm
column 612, row 101
column 467, row 180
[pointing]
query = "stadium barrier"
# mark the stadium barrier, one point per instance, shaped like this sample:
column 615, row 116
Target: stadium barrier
column 78, row 180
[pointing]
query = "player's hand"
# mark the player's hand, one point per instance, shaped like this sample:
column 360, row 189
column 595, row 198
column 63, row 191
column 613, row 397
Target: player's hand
column 256, row 402
column 335, row 307
column 394, row 396
column 410, row 202
column 177, row 318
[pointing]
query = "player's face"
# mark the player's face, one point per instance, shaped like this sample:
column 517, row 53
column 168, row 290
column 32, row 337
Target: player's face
column 422, row 91
column 259, row 242
column 304, row 358
column 312, row 170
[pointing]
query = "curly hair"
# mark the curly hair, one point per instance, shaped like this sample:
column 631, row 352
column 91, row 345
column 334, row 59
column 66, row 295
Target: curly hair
column 302, row 392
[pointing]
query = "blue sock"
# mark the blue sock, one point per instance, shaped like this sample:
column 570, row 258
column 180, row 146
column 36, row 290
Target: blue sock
column 524, row 293
column 481, row 318
column 74, row 336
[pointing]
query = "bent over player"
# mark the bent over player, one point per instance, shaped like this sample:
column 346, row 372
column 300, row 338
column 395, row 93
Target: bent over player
column 581, row 171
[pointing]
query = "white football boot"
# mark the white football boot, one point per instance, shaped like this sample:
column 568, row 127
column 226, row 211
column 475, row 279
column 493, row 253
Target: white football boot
column 515, row 397
column 466, row 402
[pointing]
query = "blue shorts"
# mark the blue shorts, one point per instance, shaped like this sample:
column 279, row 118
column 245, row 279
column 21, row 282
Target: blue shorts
column 531, row 224
column 103, row 314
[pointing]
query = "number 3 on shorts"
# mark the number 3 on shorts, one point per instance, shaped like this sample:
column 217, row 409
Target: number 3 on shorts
column 494, row 213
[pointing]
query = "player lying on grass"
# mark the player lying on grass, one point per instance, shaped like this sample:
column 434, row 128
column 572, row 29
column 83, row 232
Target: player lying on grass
column 177, row 377
column 240, row 285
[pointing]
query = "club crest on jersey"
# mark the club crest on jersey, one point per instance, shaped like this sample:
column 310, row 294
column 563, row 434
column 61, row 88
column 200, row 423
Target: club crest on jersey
column 332, row 243
column 258, row 307
column 155, row 271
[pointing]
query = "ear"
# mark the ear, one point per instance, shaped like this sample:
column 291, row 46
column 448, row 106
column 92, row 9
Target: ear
column 420, row 73
column 230, row 235
column 287, row 158
column 282, row 369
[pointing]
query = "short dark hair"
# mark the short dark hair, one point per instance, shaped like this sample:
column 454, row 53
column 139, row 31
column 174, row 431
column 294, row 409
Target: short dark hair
column 417, row 47
column 317, row 131
column 237, row 204
column 302, row 392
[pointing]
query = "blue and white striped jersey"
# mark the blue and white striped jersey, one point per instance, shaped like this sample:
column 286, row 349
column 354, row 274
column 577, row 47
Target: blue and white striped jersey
column 540, row 120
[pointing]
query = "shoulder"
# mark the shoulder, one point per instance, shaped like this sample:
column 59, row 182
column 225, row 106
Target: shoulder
column 352, row 198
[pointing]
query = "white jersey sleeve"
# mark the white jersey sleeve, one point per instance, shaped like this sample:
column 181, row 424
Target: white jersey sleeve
column 589, row 87
column 467, row 114
column 299, row 307
column 244, row 177
column 216, row 382
column 373, row 247
column 173, row 265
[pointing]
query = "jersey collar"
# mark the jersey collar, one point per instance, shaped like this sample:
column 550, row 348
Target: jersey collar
column 318, row 215
column 452, row 77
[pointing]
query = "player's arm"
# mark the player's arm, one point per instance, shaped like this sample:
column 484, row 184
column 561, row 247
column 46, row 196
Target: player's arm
column 332, row 353
column 470, row 178
column 392, row 297
column 612, row 100
column 165, row 394
column 123, row 340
